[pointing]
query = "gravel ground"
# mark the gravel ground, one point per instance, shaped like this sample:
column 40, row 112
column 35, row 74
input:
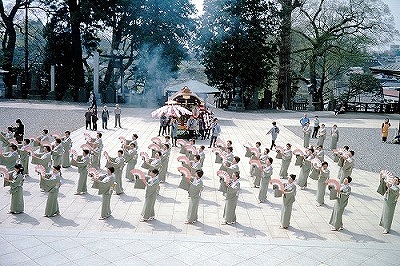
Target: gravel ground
column 54, row 118
column 370, row 153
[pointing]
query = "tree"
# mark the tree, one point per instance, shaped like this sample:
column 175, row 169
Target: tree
column 238, row 46
column 284, row 93
column 9, row 40
column 361, row 84
column 328, row 27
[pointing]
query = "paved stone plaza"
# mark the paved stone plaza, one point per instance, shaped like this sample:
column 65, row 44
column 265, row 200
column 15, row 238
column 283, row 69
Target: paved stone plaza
column 78, row 237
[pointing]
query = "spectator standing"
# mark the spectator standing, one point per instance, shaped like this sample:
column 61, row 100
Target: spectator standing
column 163, row 124
column 274, row 131
column 117, row 113
column 385, row 129
column 316, row 127
column 94, row 119
column 88, row 117
column 104, row 117
column 304, row 120
column 215, row 131
column 92, row 101
column 19, row 131
column 191, row 126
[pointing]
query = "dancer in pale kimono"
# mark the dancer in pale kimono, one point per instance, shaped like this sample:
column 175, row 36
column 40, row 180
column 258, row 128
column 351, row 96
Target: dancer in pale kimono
column 195, row 165
column 340, row 203
column 118, row 163
column 286, row 159
column 254, row 174
column 43, row 158
column 82, row 162
column 202, row 154
column 306, row 135
column 51, row 184
column 322, row 179
column 264, row 156
column 289, row 196
column 195, row 188
column 165, row 153
column 174, row 131
column 232, row 196
column 57, row 152
column 305, row 168
column 24, row 155
column 10, row 158
column 391, row 196
column 105, row 185
column 67, row 145
column 347, row 167
column 97, row 145
column 130, row 156
column 321, row 135
column 266, row 177
column 152, row 188
column 334, row 137
column 15, row 181
column 320, row 153
column 5, row 138
column 153, row 163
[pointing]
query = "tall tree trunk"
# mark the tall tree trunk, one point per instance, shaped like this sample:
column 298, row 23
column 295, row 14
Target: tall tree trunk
column 316, row 92
column 284, row 95
column 8, row 46
column 76, row 47
column 108, row 84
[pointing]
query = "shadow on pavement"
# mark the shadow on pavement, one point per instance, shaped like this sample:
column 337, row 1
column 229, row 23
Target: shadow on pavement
column 60, row 221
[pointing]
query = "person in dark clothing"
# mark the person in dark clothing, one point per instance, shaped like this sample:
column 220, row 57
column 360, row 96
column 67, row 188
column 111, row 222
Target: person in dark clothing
column 94, row 119
column 88, row 116
column 19, row 131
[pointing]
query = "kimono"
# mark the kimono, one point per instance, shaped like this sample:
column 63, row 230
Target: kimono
column 321, row 136
column 43, row 159
column 267, row 173
column 346, row 169
column 320, row 154
column 96, row 153
column 195, row 189
column 51, row 184
column 130, row 157
column 288, row 199
column 232, row 195
column 338, row 208
column 286, row 159
column 57, row 154
column 257, row 173
column 118, row 163
column 164, row 166
column 304, row 172
column 9, row 160
column 4, row 139
column 202, row 157
column 24, row 158
column 67, row 144
column 334, row 138
column 152, row 187
column 323, row 176
column 17, row 195
column 391, row 196
column 105, row 186
column 82, row 163
column 306, row 136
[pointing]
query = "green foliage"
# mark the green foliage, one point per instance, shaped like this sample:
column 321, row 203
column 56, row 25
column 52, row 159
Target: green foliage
column 237, row 42
column 362, row 84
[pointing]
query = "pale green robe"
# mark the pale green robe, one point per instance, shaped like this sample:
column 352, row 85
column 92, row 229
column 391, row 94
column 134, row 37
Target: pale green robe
column 194, row 194
column 288, row 198
column 304, row 173
column 391, row 196
column 323, row 176
column 338, row 208
column 66, row 160
column 51, row 184
column 267, row 173
column 286, row 159
column 130, row 157
column 104, row 185
column 334, row 139
column 152, row 188
column 82, row 164
column 17, row 195
column 232, row 195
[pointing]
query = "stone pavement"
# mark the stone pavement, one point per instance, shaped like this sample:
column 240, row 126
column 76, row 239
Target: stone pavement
column 78, row 237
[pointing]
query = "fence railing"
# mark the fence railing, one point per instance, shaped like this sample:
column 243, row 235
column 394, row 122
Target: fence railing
column 372, row 107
